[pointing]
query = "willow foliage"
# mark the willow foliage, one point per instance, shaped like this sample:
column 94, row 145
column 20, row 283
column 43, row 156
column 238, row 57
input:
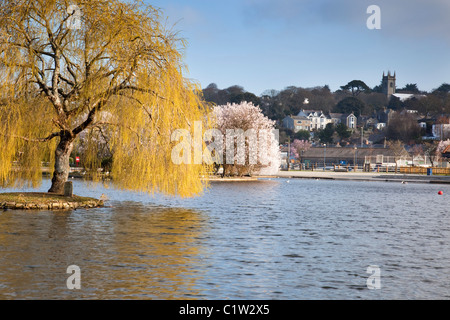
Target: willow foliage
column 115, row 78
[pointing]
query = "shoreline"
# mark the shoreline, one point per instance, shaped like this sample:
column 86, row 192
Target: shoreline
column 363, row 176
column 233, row 179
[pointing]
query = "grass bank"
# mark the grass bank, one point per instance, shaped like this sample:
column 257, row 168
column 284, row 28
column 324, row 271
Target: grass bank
column 43, row 201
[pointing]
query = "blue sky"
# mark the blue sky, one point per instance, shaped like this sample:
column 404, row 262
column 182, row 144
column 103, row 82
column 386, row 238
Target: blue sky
column 272, row 44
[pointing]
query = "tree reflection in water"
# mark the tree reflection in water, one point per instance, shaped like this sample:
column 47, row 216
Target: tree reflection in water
column 128, row 251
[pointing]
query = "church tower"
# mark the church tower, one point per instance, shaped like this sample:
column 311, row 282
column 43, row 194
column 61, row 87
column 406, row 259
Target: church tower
column 388, row 84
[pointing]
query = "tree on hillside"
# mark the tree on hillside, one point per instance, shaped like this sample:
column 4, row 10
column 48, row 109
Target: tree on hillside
column 342, row 131
column 445, row 88
column 211, row 93
column 414, row 104
column 378, row 89
column 302, row 135
column 356, row 87
column 322, row 99
column 349, row 105
column 326, row 135
column 403, row 127
column 245, row 97
column 291, row 99
column 278, row 104
column 409, row 88
column 439, row 100
column 374, row 102
column 233, row 94
column 436, row 103
column 395, row 103
column 286, row 135
column 105, row 68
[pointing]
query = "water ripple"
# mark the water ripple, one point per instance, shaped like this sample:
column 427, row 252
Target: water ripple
column 266, row 240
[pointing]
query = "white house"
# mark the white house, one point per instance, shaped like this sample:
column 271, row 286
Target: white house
column 351, row 121
column 381, row 125
column 318, row 119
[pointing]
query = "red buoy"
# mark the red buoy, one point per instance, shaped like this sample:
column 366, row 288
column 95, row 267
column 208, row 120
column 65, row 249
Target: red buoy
column 440, row 193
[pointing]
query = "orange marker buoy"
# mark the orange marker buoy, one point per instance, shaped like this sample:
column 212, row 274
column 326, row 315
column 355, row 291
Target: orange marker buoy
column 440, row 193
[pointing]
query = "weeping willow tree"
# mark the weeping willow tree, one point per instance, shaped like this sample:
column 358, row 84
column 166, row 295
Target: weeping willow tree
column 104, row 68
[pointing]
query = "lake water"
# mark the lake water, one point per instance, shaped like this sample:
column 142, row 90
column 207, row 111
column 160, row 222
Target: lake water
column 273, row 239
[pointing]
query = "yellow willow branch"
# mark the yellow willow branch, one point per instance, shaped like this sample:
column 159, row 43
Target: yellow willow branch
column 48, row 138
column 107, row 123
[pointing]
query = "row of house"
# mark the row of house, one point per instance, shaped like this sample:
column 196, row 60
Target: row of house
column 311, row 120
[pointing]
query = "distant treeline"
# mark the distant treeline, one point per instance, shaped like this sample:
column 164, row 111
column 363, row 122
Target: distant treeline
column 355, row 97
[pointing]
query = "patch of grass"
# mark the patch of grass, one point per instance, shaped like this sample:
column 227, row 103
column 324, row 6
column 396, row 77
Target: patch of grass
column 40, row 197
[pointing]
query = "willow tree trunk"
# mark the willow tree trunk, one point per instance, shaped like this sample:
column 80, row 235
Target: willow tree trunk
column 62, row 164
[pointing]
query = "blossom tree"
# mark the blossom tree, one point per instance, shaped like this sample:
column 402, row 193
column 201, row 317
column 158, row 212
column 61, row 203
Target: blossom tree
column 298, row 147
column 250, row 142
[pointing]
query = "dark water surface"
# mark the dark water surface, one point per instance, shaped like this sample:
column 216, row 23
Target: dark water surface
column 275, row 239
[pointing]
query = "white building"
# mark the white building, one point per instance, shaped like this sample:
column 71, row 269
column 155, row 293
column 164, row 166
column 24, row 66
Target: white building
column 441, row 131
column 318, row 119
column 406, row 96
column 381, row 125
column 351, row 121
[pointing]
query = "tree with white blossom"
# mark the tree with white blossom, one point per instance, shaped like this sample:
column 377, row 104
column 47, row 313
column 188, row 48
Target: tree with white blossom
column 250, row 140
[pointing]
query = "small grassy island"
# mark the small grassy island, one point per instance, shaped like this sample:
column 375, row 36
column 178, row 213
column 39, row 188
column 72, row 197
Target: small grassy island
column 46, row 201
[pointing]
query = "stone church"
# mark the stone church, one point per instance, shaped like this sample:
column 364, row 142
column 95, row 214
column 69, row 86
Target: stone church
column 388, row 84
